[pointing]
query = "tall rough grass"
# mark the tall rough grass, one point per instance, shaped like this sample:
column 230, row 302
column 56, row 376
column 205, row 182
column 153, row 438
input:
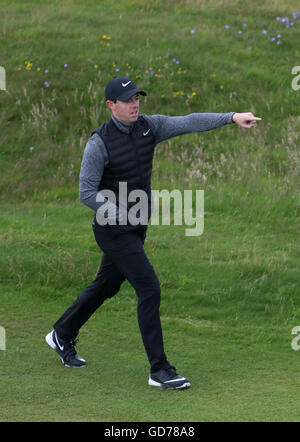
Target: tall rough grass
column 195, row 66
column 230, row 155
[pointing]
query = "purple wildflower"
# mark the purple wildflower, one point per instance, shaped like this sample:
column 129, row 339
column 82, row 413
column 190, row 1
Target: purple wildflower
column 226, row 26
column 46, row 83
column 65, row 65
column 192, row 31
column 264, row 31
column 46, row 71
column 31, row 148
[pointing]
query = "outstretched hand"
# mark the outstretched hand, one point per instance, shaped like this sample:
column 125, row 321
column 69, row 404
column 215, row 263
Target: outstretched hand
column 245, row 119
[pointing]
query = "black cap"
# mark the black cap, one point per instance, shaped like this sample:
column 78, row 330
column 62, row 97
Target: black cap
column 121, row 88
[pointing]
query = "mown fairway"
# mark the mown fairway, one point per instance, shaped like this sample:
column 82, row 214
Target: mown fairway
column 230, row 297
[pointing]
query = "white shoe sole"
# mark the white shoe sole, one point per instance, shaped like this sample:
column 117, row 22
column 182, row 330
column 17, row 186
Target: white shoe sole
column 159, row 384
column 50, row 341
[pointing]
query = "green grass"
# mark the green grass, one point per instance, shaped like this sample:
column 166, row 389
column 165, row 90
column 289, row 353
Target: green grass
column 230, row 296
column 228, row 308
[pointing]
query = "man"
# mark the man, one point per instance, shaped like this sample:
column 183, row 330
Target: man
column 121, row 151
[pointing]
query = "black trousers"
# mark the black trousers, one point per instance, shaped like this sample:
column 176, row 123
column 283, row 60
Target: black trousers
column 123, row 258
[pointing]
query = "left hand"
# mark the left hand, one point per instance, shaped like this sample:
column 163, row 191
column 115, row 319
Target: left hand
column 245, row 119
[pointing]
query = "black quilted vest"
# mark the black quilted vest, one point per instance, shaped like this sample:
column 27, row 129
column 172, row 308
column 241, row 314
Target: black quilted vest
column 130, row 158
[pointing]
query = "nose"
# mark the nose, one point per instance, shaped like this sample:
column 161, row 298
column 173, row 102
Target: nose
column 134, row 106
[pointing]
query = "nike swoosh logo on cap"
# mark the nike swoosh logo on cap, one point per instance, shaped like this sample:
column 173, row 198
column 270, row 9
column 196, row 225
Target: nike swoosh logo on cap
column 126, row 84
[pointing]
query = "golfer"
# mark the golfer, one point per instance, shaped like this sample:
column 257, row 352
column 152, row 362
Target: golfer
column 121, row 151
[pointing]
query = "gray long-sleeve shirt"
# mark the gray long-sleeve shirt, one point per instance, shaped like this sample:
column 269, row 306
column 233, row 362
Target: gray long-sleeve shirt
column 95, row 157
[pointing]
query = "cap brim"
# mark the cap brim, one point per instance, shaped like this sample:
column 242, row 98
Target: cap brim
column 128, row 94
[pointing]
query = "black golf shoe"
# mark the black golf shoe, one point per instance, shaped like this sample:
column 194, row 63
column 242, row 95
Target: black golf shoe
column 65, row 349
column 169, row 379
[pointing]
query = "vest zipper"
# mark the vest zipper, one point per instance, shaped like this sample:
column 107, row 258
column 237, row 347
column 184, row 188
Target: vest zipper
column 137, row 160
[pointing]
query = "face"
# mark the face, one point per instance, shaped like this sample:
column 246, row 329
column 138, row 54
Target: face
column 126, row 112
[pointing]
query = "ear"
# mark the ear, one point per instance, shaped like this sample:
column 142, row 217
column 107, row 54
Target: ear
column 110, row 104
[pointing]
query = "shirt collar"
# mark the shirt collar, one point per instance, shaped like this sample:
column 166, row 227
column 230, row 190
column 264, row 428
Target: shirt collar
column 122, row 127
